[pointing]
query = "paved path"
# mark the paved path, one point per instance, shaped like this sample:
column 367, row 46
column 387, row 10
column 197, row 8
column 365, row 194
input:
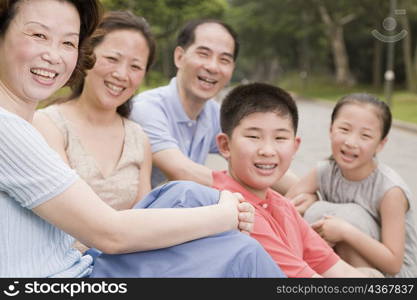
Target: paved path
column 400, row 152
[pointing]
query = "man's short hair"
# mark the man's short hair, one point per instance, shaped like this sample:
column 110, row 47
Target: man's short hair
column 186, row 36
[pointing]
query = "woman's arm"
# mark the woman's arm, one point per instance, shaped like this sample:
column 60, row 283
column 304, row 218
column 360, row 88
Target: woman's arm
column 79, row 212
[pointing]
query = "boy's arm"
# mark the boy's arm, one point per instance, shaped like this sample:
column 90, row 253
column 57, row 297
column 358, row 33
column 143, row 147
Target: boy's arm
column 303, row 193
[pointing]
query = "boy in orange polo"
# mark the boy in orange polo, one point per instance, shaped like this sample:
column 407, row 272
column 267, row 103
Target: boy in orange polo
column 259, row 123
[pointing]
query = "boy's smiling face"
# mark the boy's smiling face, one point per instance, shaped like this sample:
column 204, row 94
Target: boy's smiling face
column 260, row 150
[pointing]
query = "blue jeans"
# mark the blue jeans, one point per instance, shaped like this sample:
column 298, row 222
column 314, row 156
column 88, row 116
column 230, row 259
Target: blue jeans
column 228, row 254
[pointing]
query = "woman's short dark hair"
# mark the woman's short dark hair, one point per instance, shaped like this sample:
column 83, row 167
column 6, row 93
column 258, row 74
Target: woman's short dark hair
column 112, row 21
column 90, row 12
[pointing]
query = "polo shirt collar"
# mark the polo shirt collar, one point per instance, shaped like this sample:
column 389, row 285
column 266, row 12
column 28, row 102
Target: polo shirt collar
column 231, row 184
column 178, row 109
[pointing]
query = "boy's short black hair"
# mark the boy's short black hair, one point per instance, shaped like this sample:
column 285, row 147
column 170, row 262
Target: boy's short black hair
column 250, row 98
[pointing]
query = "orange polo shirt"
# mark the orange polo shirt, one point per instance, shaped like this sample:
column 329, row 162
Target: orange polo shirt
column 297, row 249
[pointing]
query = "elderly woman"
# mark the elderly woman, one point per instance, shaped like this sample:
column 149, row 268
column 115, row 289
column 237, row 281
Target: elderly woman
column 44, row 204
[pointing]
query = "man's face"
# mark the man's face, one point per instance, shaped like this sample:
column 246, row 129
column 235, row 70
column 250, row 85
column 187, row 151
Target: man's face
column 206, row 66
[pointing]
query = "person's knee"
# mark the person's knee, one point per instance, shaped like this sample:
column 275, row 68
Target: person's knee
column 180, row 194
column 192, row 194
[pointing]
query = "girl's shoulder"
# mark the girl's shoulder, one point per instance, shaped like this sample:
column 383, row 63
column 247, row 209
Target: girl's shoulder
column 391, row 178
column 389, row 172
column 327, row 167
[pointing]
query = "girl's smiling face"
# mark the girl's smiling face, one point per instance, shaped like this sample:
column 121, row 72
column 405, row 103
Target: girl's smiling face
column 355, row 137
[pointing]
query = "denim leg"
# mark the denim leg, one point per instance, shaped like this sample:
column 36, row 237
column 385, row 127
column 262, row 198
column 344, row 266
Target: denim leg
column 180, row 194
column 228, row 254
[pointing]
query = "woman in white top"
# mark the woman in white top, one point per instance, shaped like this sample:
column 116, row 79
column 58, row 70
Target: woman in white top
column 44, row 205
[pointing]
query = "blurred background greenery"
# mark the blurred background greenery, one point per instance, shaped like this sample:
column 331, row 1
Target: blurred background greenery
column 314, row 48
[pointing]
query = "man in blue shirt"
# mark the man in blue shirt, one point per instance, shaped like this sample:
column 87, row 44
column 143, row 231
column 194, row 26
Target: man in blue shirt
column 181, row 119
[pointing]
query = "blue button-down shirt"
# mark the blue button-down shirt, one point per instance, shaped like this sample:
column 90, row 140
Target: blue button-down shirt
column 160, row 113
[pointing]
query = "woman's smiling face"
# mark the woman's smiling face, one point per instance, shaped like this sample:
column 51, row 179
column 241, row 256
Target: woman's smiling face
column 38, row 56
column 121, row 60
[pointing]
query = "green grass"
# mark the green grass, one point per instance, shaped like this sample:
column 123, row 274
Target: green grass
column 404, row 104
column 405, row 107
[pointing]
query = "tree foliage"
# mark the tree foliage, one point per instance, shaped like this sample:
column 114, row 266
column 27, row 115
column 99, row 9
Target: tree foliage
column 281, row 36
column 166, row 18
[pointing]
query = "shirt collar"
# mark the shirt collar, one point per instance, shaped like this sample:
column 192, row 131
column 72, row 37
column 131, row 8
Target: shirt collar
column 178, row 109
column 235, row 186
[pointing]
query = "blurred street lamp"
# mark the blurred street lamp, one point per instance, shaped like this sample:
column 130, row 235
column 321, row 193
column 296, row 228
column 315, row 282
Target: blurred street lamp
column 389, row 76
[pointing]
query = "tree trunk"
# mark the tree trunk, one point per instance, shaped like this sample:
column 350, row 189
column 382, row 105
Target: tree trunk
column 335, row 34
column 274, row 68
column 410, row 71
column 415, row 59
column 340, row 57
column 258, row 73
column 304, row 62
column 377, row 65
